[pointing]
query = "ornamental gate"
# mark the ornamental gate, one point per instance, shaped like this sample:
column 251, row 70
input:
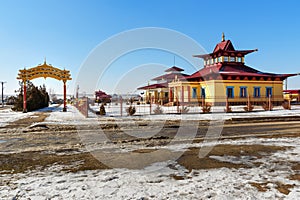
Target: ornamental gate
column 45, row 71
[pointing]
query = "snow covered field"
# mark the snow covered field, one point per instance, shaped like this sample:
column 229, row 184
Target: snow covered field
column 72, row 116
column 149, row 183
column 157, row 181
column 7, row 115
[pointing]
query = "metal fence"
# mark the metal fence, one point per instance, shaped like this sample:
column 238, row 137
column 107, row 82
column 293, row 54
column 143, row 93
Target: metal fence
column 82, row 105
column 121, row 107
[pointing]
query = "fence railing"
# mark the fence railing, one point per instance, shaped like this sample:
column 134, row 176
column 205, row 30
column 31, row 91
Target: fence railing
column 82, row 105
column 120, row 106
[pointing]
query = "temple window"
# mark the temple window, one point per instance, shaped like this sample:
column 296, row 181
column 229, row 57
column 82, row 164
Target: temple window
column 219, row 59
column 225, row 58
column 232, row 59
column 194, row 92
column 243, row 92
column 216, row 60
column 203, row 93
column 230, row 91
column 239, row 59
column 268, row 91
column 256, row 92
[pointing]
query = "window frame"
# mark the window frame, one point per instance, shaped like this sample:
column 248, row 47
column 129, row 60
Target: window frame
column 259, row 92
column 203, row 93
column 194, row 93
column 268, row 88
column 227, row 92
column 243, row 92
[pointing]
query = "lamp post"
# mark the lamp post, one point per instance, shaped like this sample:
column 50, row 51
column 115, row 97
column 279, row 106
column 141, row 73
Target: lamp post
column 2, row 84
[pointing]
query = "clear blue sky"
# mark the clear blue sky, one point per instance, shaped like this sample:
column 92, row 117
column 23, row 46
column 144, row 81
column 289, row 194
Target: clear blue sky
column 65, row 32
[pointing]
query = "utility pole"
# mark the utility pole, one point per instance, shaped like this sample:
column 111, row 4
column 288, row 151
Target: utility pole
column 2, row 84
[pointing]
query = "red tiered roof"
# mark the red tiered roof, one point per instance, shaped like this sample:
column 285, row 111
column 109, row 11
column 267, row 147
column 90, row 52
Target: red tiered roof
column 166, row 78
column 169, row 77
column 154, row 86
column 234, row 69
column 228, row 69
column 225, row 48
column 174, row 68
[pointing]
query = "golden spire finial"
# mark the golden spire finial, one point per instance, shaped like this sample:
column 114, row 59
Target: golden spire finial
column 223, row 37
column 45, row 60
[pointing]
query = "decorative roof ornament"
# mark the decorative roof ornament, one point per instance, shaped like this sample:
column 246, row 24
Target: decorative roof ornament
column 223, row 37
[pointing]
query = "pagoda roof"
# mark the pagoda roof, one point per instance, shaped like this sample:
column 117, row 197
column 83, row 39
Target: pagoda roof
column 169, row 76
column 225, row 46
column 234, row 69
column 174, row 68
column 154, row 86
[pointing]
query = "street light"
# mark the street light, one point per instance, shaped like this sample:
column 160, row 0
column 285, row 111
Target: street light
column 2, row 83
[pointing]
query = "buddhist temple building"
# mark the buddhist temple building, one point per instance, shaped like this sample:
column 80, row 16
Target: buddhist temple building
column 226, row 77
column 159, row 91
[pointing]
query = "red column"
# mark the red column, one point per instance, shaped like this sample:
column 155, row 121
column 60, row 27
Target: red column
column 170, row 95
column 24, row 97
column 65, row 97
column 189, row 93
column 182, row 94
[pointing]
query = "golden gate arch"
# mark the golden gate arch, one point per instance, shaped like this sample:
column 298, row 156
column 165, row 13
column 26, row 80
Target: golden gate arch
column 44, row 71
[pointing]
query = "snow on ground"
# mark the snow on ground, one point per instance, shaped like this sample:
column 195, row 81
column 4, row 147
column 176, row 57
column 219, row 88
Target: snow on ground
column 221, row 183
column 217, row 112
column 156, row 182
column 7, row 115
column 73, row 116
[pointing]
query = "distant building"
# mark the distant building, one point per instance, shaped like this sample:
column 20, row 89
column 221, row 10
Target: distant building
column 159, row 91
column 224, row 76
column 292, row 95
column 102, row 97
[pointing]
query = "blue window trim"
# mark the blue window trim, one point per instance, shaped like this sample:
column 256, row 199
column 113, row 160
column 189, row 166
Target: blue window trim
column 203, row 94
column 271, row 91
column 258, row 96
column 243, row 87
column 194, row 92
column 230, row 87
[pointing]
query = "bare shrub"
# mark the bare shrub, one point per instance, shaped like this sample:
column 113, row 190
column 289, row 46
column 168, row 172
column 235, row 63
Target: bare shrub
column 249, row 108
column 158, row 110
column 267, row 106
column 131, row 110
column 228, row 109
column 286, row 105
column 206, row 107
column 184, row 110
column 102, row 110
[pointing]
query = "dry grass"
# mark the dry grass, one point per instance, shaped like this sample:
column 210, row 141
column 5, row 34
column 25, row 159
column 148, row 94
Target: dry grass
column 295, row 177
column 262, row 187
column 190, row 159
column 21, row 162
column 282, row 188
column 21, row 123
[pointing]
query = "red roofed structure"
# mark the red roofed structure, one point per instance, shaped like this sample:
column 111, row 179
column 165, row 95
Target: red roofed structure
column 102, row 97
column 159, row 91
column 226, row 76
